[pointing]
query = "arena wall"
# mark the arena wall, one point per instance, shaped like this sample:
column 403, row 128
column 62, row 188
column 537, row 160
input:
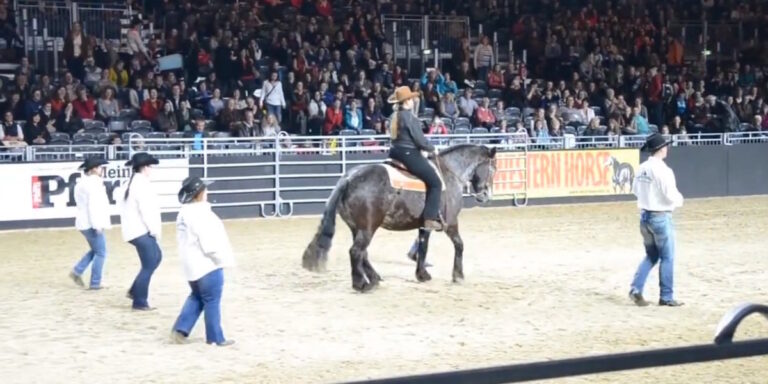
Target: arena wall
column 243, row 183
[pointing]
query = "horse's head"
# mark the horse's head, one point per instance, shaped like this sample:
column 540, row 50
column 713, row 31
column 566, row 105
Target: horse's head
column 609, row 161
column 482, row 177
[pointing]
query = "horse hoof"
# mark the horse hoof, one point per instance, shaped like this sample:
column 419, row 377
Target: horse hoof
column 458, row 280
column 423, row 276
column 365, row 286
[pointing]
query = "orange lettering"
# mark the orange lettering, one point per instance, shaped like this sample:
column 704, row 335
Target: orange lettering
column 590, row 170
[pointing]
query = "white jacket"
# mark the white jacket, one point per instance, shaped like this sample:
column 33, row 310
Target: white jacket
column 92, row 204
column 202, row 241
column 141, row 212
column 655, row 187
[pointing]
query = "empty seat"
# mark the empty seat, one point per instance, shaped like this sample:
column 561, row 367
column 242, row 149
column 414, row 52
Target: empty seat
column 60, row 136
column 368, row 132
column 461, row 131
column 141, row 124
column 117, row 126
column 104, row 138
column 155, row 135
column 83, row 136
column 348, row 132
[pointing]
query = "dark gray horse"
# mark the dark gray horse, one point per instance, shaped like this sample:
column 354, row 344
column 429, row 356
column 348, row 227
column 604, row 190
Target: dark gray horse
column 623, row 175
column 366, row 201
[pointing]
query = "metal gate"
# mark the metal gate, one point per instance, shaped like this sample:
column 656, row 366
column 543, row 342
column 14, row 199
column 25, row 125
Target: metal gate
column 418, row 39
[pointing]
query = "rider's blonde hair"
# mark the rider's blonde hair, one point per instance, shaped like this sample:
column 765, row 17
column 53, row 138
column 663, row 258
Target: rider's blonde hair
column 393, row 125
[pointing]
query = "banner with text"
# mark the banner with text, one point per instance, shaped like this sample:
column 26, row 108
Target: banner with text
column 35, row 191
column 593, row 172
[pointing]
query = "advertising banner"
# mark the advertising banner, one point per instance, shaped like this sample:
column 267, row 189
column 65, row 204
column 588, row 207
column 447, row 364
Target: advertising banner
column 36, row 191
column 593, row 172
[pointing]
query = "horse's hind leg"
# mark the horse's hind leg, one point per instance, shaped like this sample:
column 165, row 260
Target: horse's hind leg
column 421, row 271
column 357, row 257
column 373, row 276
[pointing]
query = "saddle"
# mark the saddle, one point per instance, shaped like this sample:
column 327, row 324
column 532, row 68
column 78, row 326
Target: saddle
column 400, row 178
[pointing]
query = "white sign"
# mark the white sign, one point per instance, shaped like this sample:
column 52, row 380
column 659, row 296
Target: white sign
column 36, row 191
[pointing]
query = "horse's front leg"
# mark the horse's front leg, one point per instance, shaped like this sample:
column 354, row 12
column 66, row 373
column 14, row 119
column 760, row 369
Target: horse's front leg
column 413, row 253
column 458, row 256
column 421, row 270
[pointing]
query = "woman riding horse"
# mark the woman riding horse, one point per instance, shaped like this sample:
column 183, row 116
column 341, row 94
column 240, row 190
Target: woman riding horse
column 407, row 143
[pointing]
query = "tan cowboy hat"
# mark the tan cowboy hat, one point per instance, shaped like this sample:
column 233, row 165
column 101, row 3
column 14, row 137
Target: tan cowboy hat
column 402, row 94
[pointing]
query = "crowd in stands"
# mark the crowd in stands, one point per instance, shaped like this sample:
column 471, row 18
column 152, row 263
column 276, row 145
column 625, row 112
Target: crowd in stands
column 321, row 67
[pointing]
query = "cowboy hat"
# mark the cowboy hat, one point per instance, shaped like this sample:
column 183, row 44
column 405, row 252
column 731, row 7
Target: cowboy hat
column 190, row 187
column 141, row 159
column 402, row 94
column 654, row 142
column 91, row 163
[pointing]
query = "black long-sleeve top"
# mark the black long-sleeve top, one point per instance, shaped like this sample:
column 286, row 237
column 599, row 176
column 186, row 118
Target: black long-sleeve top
column 409, row 133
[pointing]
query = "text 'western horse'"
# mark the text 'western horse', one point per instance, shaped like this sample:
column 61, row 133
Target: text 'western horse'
column 366, row 200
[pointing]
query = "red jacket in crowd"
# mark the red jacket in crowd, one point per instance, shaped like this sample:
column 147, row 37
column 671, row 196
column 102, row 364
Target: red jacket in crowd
column 333, row 119
column 150, row 109
column 85, row 109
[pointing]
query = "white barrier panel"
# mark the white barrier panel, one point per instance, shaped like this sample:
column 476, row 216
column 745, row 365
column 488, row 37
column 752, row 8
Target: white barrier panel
column 36, row 191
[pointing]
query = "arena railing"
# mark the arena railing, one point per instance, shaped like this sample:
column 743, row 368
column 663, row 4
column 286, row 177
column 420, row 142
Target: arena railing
column 723, row 348
column 182, row 148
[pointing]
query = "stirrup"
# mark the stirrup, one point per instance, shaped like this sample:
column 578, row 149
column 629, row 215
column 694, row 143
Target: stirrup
column 439, row 226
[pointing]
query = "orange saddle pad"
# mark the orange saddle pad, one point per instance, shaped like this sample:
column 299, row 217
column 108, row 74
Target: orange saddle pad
column 402, row 179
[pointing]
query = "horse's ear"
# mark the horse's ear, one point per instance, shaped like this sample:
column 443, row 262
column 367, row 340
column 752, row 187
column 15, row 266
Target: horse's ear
column 492, row 153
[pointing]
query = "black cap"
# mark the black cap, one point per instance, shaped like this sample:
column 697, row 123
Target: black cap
column 141, row 159
column 190, row 187
column 91, row 163
column 654, row 142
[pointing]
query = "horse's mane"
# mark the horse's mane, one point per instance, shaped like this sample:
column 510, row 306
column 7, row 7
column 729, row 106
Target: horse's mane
column 458, row 147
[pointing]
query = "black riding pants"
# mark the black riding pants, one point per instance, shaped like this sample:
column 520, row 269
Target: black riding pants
column 420, row 167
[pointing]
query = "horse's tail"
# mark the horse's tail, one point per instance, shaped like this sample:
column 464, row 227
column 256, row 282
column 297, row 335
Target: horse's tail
column 316, row 254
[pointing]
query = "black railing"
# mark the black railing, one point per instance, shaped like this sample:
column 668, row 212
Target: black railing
column 722, row 349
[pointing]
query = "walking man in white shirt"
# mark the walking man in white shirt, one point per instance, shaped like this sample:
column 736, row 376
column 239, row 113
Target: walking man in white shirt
column 204, row 249
column 657, row 197
column 91, row 220
column 141, row 226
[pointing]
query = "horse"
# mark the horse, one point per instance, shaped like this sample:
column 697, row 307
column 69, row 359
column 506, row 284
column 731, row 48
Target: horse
column 366, row 200
column 623, row 174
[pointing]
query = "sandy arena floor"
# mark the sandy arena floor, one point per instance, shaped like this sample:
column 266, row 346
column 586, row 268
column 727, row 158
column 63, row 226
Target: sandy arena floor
column 542, row 282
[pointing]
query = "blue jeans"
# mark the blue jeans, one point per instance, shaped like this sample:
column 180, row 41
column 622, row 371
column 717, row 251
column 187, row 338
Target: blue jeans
column 96, row 255
column 205, row 296
column 659, row 241
column 150, row 256
column 275, row 110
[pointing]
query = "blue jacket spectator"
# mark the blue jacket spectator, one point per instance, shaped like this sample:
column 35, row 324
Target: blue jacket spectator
column 353, row 117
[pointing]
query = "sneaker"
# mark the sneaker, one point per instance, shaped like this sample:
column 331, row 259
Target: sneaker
column 145, row 309
column 77, row 279
column 670, row 303
column 178, row 338
column 638, row 299
column 225, row 343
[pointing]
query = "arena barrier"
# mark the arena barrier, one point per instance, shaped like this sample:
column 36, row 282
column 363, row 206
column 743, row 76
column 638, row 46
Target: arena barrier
column 723, row 348
column 285, row 176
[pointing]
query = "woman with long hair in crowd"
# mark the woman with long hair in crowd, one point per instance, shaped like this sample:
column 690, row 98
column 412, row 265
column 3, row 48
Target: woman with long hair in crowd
column 141, row 226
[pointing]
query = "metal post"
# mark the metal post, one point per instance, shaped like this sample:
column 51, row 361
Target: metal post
column 437, row 57
column 394, row 42
column 495, row 48
column 704, row 44
column 74, row 13
column 26, row 31
column 34, row 40
column 407, row 49
column 423, row 55
column 45, row 48
column 511, row 52
column 425, row 28
column 56, row 58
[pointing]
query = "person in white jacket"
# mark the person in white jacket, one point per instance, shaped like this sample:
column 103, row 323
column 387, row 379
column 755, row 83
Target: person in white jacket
column 91, row 220
column 141, row 226
column 204, row 249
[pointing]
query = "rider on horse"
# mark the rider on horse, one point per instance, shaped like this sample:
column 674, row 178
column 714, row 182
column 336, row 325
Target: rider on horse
column 407, row 143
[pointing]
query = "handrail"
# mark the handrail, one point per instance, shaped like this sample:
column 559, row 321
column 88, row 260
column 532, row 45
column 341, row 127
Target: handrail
column 605, row 363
